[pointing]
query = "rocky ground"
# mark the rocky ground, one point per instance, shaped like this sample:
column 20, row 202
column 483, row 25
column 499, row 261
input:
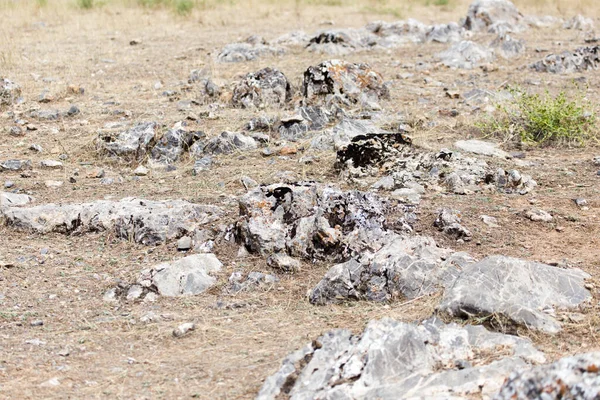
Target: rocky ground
column 300, row 206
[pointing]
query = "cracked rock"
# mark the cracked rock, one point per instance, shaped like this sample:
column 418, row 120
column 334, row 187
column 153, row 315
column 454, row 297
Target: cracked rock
column 9, row 91
column 15, row 165
column 129, row 145
column 174, row 143
column 465, row 55
column 267, row 87
column 582, row 59
column 507, row 47
column 483, row 14
column 238, row 281
column 448, row 221
column 254, row 47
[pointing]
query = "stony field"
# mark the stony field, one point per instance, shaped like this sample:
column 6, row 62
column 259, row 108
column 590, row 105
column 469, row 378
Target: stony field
column 299, row 200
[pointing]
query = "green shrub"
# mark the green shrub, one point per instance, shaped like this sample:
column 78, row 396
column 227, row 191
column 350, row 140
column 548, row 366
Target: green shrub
column 184, row 7
column 85, row 4
column 41, row 3
column 531, row 118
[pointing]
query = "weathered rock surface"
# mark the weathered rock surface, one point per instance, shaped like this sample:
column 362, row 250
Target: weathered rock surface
column 339, row 83
column 174, row 143
column 342, row 41
column 143, row 221
column 253, row 48
column 306, row 119
column 190, row 275
column 15, row 165
column 313, row 221
column 225, row 143
column 9, row 91
column 406, row 267
column 8, row 199
column 571, row 378
column 582, row 59
column 267, row 87
column 132, row 144
column 536, row 214
column 238, row 281
column 448, row 221
column 482, row 148
column 515, row 291
column 394, row 34
column 392, row 360
column 483, row 14
column 508, row 47
column 465, row 55
column 367, row 149
column 579, row 23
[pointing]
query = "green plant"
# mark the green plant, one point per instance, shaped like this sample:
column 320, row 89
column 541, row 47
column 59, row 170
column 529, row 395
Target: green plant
column 41, row 3
column 536, row 119
column 184, row 7
column 85, row 4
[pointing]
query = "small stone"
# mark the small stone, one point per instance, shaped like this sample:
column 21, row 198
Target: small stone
column 53, row 184
column 283, row 262
column 51, row 164
column 51, row 383
column 36, row 147
column 16, row 131
column 201, row 165
column 141, row 171
column 248, row 182
column 492, row 222
column 64, row 352
column 45, row 97
column 536, row 214
column 37, row 322
column 134, row 292
column 580, row 202
column 73, row 110
column 96, row 173
column 184, row 244
column 151, row 297
column 9, row 184
column 183, row 329
column 110, row 295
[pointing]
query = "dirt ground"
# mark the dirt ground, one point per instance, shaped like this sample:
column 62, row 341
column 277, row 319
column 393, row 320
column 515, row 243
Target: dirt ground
column 102, row 350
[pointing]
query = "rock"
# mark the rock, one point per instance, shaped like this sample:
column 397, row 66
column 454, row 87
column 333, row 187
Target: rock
column 190, row 275
column 36, row 147
column 45, row 97
column 9, row 91
column 37, row 322
column 482, row 14
column 370, row 149
column 238, row 282
column 9, row 184
column 267, row 87
column 342, row 41
column 16, row 131
column 580, row 202
column 143, row 221
column 46, row 115
column 596, row 161
column 410, row 195
column 283, row 262
column 444, row 33
column 385, row 183
column 184, row 329
column 14, row 199
column 201, row 165
column 510, row 181
column 249, row 50
column 536, row 214
column 110, row 295
column 129, row 145
column 73, row 110
column 405, row 267
column 306, row 119
column 492, row 222
column 53, row 382
column 582, row 59
column 363, row 132
column 229, row 142
column 53, row 184
column 399, row 33
column 448, row 221
column 248, row 182
column 573, row 377
column 507, row 47
column 15, row 165
column 579, row 23
column 339, row 83
column 174, row 143
column 393, row 360
column 184, row 244
column 482, row 148
column 515, row 291
column 51, row 164
column 141, row 171
column 134, row 292
column 465, row 55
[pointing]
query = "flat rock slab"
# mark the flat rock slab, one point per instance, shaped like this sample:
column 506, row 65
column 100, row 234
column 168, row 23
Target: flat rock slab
column 14, row 199
column 187, row 276
column 143, row 221
column 482, row 148
column 576, row 377
column 392, row 360
column 523, row 292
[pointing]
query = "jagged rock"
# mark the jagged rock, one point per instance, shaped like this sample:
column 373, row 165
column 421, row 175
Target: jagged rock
column 444, row 33
column 484, row 13
column 511, row 181
column 342, row 41
column 253, row 48
column 15, row 165
column 201, row 165
column 294, row 38
column 448, row 221
column 515, row 291
column 579, row 23
column 9, row 91
column 393, row 360
column 482, row 148
column 466, row 55
column 306, row 119
column 267, row 87
column 207, row 89
column 283, row 262
column 174, row 143
column 571, row 378
column 507, row 47
column 349, row 130
column 313, row 221
column 394, row 34
column 582, row 59
column 129, row 145
column 14, row 199
column 239, row 282
column 404, row 268
column 190, row 275
column 229, row 142
column 538, row 215
column 143, row 221
column 341, row 83
column 368, row 149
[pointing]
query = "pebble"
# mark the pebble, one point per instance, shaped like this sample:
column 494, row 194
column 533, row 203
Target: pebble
column 53, row 184
column 184, row 244
column 184, row 329
column 140, row 171
column 37, row 322
column 9, row 184
column 51, row 164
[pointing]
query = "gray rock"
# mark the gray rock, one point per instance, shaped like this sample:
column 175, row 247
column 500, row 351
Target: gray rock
column 248, row 182
column 190, row 275
column 306, row 119
column 9, row 91
column 596, row 161
column 184, row 329
column 202, row 165
column 582, row 59
column 484, row 13
column 252, row 49
column 239, row 281
column 465, row 55
column 448, row 221
column 8, row 184
column 174, row 143
column 492, row 222
column 267, row 87
column 51, row 164
column 350, row 130
column 342, row 41
column 536, row 214
column 14, row 199
column 16, row 131
column 444, row 33
column 229, row 142
column 406, row 267
column 579, row 23
column 385, row 183
column 408, row 195
column 392, row 360
column 399, row 33
column 339, row 83
column 46, row 115
column 134, row 292
column 482, row 148
column 573, row 378
column 141, row 171
column 507, row 47
column 184, row 243
column 129, row 145
column 283, row 262
column 15, row 165
column 517, row 291
column 143, row 221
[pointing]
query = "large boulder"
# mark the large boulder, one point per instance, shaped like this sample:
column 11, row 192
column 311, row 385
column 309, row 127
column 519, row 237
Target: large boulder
column 131, row 144
column 576, row 377
column 515, row 291
column 187, row 276
column 267, row 87
column 142, row 221
column 483, row 14
column 342, row 83
column 392, row 360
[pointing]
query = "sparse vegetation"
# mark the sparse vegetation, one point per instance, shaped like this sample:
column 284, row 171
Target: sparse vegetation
column 85, row 4
column 542, row 119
